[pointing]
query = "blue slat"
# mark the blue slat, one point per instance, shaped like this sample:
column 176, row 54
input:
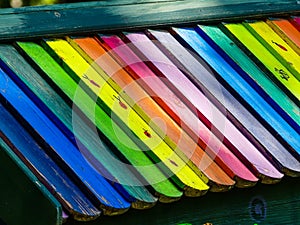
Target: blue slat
column 103, row 192
column 50, row 174
column 45, row 97
column 198, row 71
column 251, row 81
column 241, row 88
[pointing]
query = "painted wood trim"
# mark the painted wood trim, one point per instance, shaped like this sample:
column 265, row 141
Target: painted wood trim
column 21, row 186
column 112, row 16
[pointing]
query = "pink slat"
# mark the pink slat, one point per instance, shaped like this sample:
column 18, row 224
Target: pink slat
column 296, row 22
column 205, row 110
column 175, row 107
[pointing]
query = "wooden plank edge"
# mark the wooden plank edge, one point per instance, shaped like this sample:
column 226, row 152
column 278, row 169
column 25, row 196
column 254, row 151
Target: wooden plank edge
column 60, row 21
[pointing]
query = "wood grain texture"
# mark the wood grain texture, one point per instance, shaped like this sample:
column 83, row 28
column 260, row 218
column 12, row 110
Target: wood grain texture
column 83, row 136
column 116, row 15
column 219, row 208
column 127, row 118
column 146, row 107
column 239, row 87
column 280, row 73
column 45, row 169
column 276, row 45
column 163, row 187
column 285, row 29
column 88, row 141
column 192, row 64
column 213, row 119
column 256, row 77
column 20, row 185
column 47, row 133
column 156, row 88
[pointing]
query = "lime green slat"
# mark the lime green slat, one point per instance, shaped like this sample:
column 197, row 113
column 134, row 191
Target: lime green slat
column 281, row 73
column 278, row 47
column 252, row 70
column 137, row 158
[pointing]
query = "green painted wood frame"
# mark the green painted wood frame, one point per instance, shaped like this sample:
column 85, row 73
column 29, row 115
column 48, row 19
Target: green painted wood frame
column 23, row 198
column 279, row 203
column 107, row 16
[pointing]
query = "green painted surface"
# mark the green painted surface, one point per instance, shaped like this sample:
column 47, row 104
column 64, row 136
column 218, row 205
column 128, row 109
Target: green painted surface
column 260, row 55
column 262, row 204
column 115, row 15
column 137, row 158
column 23, row 199
column 252, row 70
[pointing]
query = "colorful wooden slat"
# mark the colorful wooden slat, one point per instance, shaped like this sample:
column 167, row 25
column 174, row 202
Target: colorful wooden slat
column 285, row 29
column 45, row 169
column 40, row 125
column 193, row 65
column 137, row 193
column 86, row 136
column 162, row 186
column 168, row 101
column 109, row 15
column 280, row 73
column 277, row 46
column 144, row 105
column 241, row 88
column 295, row 20
column 205, row 110
column 95, row 84
column 257, row 78
column 10, row 55
column 21, row 190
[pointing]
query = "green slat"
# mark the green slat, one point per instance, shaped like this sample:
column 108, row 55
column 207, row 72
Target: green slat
column 23, row 199
column 105, row 16
column 166, row 190
column 250, row 68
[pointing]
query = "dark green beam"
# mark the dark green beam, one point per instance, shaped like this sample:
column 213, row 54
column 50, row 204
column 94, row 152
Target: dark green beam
column 107, row 16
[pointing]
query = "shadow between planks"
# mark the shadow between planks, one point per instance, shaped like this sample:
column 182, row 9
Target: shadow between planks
column 261, row 204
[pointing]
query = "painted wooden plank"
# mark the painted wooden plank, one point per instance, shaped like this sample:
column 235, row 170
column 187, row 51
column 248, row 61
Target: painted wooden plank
column 171, row 104
column 239, row 87
column 19, row 185
column 109, row 16
column 45, row 169
column 295, row 20
column 277, row 46
column 193, row 66
column 117, row 174
column 213, row 119
column 162, row 186
column 287, row 32
column 144, row 105
column 12, row 58
column 280, row 73
column 127, row 119
column 47, row 133
column 256, row 77
column 120, row 94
